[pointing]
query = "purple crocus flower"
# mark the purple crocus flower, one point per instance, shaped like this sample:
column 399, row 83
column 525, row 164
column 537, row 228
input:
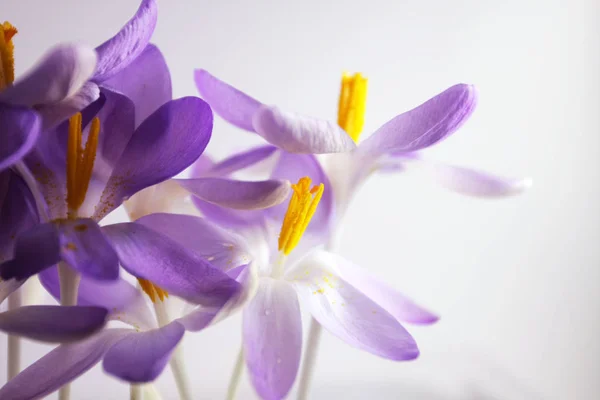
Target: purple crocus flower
column 395, row 146
column 81, row 185
column 353, row 305
column 140, row 352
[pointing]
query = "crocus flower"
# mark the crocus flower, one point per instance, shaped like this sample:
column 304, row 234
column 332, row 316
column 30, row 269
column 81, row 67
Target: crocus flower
column 395, row 146
column 139, row 352
column 353, row 305
column 81, row 184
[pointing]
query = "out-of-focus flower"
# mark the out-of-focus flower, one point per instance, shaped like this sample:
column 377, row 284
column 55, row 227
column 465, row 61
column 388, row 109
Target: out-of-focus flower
column 347, row 301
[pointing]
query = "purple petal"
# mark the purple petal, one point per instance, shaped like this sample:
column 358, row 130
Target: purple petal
column 228, row 217
column 295, row 166
column 146, row 81
column 125, row 302
column 53, row 323
column 429, row 123
column 122, row 49
column 300, row 134
column 62, row 365
column 141, row 357
column 223, row 249
column 272, row 330
column 148, row 254
column 236, row 162
column 233, row 106
column 239, row 195
column 394, row 302
column 85, row 248
column 475, row 183
column 59, row 75
column 20, row 130
column 54, row 114
column 348, row 313
column 166, row 143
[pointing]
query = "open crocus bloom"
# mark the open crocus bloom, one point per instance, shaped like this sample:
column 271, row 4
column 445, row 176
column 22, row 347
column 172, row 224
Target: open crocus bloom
column 81, row 184
column 395, row 146
column 347, row 301
column 139, row 352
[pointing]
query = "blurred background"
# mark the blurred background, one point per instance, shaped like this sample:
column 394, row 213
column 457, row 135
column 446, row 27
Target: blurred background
column 515, row 280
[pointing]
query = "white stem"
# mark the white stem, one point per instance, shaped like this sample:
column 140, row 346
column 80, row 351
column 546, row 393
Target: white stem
column 314, row 333
column 176, row 362
column 310, row 358
column 33, row 186
column 236, row 376
column 14, row 342
column 135, row 392
column 69, row 286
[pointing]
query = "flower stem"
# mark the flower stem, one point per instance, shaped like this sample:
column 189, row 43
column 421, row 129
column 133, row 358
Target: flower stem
column 14, row 342
column 135, row 392
column 314, row 333
column 176, row 361
column 236, row 375
column 69, row 286
column 29, row 179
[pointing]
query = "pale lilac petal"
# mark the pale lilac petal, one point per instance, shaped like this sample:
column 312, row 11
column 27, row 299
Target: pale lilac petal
column 237, row 162
column 141, row 357
column 62, row 365
column 166, row 143
column 348, row 313
column 239, row 195
column 148, row 254
column 300, row 134
column 223, row 249
column 146, row 81
column 232, row 105
column 228, row 217
column 399, row 306
column 20, row 130
column 429, row 123
column 475, row 183
column 59, row 75
column 272, row 331
column 122, row 49
column 54, row 114
column 125, row 302
column 55, row 324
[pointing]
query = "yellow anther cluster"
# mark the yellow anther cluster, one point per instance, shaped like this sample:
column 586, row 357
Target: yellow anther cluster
column 299, row 213
column 7, row 54
column 80, row 161
column 152, row 290
column 352, row 104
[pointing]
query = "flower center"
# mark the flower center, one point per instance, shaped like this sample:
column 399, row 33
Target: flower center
column 80, row 162
column 152, row 290
column 352, row 104
column 7, row 58
column 301, row 209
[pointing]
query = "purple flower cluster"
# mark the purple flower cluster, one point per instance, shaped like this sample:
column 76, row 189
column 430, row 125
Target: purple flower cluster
column 88, row 130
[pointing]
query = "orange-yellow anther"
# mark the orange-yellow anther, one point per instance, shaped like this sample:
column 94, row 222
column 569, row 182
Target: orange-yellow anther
column 153, row 291
column 352, row 104
column 301, row 209
column 7, row 54
column 80, row 161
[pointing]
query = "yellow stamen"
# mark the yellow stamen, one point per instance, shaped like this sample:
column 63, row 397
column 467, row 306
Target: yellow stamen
column 152, row 290
column 352, row 104
column 300, row 211
column 80, row 161
column 7, row 54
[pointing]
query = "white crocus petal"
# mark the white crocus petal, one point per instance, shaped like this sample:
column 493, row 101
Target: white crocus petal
column 165, row 197
column 348, row 313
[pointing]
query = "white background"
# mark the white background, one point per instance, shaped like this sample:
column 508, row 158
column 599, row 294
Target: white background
column 516, row 281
